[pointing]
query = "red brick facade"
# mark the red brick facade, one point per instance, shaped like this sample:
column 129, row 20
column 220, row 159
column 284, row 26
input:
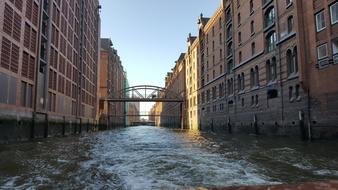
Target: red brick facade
column 49, row 59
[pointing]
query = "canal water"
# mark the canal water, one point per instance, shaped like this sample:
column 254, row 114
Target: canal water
column 157, row 158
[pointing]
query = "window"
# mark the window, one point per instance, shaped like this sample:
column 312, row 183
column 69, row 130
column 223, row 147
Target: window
column 230, row 66
column 256, row 100
column 243, row 81
column 221, row 69
column 239, row 83
column 322, row 51
column 320, row 21
column 252, row 78
column 297, row 92
column 334, row 13
column 251, row 6
column 220, row 38
column 271, row 69
column 290, row 24
column 288, row 2
column 240, row 57
column 229, row 49
column 220, row 22
column 239, row 19
column 253, row 48
column 271, row 41
column 220, row 54
column 335, row 51
column 335, row 46
column 239, row 37
column 257, row 76
column 291, row 93
column 229, row 32
column 269, row 17
column 252, row 27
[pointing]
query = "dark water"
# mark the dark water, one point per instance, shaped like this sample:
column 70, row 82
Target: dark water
column 157, row 158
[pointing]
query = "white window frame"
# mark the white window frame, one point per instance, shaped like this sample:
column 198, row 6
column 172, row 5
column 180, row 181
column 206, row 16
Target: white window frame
column 333, row 21
column 317, row 26
column 320, row 58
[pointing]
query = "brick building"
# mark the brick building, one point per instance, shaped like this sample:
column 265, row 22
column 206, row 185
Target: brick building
column 48, row 66
column 173, row 112
column 280, row 67
column 267, row 67
column 191, row 82
column 112, row 81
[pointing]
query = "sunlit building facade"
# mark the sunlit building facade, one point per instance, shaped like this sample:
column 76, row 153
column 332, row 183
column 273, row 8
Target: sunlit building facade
column 191, row 82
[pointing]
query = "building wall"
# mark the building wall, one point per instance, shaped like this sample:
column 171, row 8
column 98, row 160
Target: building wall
column 112, row 83
column 45, row 71
column 191, row 82
column 172, row 112
column 259, row 71
column 212, row 70
column 271, row 84
column 320, row 74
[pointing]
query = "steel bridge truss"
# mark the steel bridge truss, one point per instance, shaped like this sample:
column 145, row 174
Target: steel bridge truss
column 145, row 93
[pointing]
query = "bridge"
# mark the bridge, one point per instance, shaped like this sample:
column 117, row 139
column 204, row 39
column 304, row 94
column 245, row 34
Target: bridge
column 145, row 93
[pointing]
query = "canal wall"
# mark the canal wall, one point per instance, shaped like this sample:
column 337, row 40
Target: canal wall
column 303, row 116
column 29, row 126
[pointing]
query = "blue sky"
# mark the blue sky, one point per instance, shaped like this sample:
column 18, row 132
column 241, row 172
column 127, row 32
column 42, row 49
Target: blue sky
column 149, row 35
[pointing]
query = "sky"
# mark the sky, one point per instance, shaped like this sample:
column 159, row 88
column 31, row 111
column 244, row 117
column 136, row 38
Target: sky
column 150, row 35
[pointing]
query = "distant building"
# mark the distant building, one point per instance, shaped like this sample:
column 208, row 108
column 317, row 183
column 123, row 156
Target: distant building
column 112, row 82
column 48, row 66
column 172, row 113
column 133, row 114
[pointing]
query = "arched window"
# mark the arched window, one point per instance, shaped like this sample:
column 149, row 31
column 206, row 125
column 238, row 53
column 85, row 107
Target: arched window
column 239, row 18
column 290, row 24
column 229, row 49
column 243, row 81
column 271, row 69
column 268, row 73
column 252, row 27
column 295, row 59
column 256, row 76
column 229, row 31
column 271, row 41
column 230, row 66
column 228, row 15
column 289, row 61
column 220, row 38
column 239, row 82
column 220, row 54
column 239, row 37
column 251, row 6
column 240, row 57
column 252, row 78
column 221, row 69
column 269, row 17
column 253, row 48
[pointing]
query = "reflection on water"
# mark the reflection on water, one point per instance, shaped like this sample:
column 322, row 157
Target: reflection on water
column 156, row 158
